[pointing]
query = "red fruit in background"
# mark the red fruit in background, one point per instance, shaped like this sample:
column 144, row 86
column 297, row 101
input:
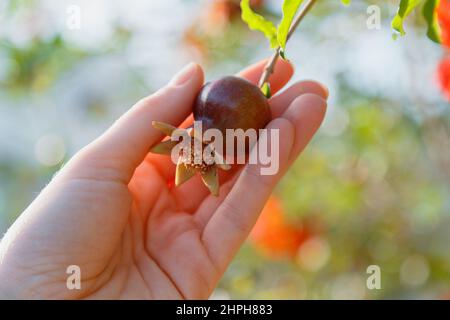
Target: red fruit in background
column 223, row 11
column 443, row 74
column 217, row 16
column 443, row 12
column 273, row 235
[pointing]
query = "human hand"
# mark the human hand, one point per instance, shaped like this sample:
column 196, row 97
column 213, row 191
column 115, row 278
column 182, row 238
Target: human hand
column 112, row 212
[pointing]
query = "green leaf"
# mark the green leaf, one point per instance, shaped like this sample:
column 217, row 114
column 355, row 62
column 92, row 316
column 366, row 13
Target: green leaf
column 404, row 10
column 266, row 90
column 346, row 2
column 290, row 8
column 430, row 14
column 259, row 23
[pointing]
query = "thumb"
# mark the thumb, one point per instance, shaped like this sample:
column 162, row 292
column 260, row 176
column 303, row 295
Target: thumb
column 116, row 154
column 82, row 223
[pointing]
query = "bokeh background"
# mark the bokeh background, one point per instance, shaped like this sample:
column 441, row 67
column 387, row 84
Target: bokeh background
column 371, row 189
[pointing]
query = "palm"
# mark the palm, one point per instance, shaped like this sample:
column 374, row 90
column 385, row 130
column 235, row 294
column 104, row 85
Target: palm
column 112, row 212
column 163, row 238
column 158, row 253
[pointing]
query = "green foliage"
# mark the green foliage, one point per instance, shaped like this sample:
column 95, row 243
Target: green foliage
column 276, row 36
column 266, row 90
column 290, row 8
column 259, row 23
column 406, row 7
column 428, row 11
column 39, row 63
column 404, row 10
column 430, row 15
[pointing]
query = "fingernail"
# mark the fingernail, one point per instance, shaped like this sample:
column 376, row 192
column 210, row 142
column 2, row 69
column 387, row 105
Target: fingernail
column 184, row 75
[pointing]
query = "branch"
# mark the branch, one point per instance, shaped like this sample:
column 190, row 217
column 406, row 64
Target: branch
column 269, row 68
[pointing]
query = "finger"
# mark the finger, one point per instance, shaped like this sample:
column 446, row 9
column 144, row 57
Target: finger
column 164, row 166
column 279, row 104
column 125, row 144
column 193, row 193
column 229, row 226
column 146, row 188
column 307, row 112
column 283, row 72
column 283, row 100
column 209, row 205
column 232, row 221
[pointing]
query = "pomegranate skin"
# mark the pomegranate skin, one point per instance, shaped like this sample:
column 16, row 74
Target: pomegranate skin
column 231, row 103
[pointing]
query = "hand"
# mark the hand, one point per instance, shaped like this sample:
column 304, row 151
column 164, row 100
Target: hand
column 111, row 211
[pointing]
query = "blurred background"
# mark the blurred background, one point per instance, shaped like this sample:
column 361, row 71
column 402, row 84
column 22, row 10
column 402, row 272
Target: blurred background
column 372, row 188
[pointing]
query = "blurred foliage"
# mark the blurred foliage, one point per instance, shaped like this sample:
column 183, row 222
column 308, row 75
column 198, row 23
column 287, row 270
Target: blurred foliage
column 371, row 189
column 37, row 65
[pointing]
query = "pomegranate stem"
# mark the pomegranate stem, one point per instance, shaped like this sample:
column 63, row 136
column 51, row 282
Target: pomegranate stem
column 269, row 68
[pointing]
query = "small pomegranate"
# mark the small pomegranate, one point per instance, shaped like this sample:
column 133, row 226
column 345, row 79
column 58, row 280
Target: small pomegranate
column 228, row 103
column 231, row 103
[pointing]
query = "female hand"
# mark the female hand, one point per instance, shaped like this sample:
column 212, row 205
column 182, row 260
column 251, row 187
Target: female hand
column 111, row 211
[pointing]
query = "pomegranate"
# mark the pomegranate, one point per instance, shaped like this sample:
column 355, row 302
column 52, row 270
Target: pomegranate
column 228, row 103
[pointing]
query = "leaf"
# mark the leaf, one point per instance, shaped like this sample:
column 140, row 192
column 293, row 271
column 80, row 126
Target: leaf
column 430, row 14
column 290, row 8
column 266, row 90
column 346, row 2
column 404, row 10
column 259, row 23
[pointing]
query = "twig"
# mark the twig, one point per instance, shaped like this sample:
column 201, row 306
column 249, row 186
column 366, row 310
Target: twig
column 269, row 68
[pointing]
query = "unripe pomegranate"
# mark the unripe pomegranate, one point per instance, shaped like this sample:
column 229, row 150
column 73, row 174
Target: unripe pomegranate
column 231, row 103
column 228, row 103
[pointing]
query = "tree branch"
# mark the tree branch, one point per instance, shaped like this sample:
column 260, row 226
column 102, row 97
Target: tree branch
column 269, row 68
